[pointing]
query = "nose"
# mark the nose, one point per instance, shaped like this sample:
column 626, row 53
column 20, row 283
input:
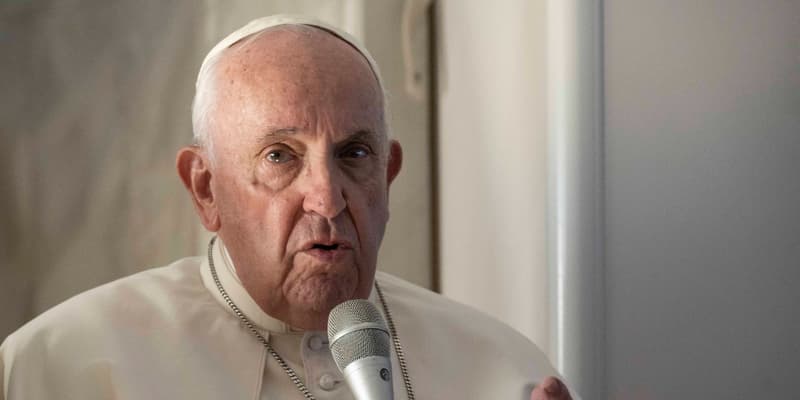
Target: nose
column 323, row 189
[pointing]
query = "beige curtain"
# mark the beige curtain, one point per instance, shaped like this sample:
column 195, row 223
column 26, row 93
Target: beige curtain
column 95, row 102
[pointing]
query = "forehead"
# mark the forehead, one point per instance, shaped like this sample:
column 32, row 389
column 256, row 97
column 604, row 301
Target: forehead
column 290, row 73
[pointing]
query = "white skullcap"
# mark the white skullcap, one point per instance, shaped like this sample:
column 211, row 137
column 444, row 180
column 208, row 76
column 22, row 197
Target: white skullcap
column 202, row 98
column 263, row 23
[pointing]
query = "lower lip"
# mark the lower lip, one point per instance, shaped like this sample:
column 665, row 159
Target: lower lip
column 328, row 255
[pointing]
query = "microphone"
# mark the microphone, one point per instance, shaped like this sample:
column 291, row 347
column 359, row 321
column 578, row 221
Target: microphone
column 360, row 344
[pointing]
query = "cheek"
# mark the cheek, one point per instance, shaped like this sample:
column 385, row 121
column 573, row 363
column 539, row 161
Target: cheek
column 278, row 217
column 229, row 200
column 370, row 213
column 252, row 208
column 235, row 200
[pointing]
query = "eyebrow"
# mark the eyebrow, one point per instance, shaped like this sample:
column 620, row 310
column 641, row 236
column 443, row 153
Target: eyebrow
column 282, row 131
column 358, row 134
column 264, row 139
column 361, row 134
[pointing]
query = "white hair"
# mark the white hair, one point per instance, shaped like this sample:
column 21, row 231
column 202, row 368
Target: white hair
column 204, row 86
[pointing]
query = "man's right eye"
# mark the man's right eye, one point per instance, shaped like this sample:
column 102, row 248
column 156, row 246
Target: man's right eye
column 279, row 156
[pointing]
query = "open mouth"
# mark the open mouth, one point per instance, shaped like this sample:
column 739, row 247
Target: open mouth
column 320, row 246
column 328, row 251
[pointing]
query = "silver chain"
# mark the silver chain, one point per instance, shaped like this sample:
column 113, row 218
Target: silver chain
column 251, row 327
column 281, row 362
column 398, row 349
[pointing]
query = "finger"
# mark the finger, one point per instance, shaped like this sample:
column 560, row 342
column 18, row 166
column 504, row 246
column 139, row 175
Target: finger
column 547, row 390
column 538, row 393
column 552, row 386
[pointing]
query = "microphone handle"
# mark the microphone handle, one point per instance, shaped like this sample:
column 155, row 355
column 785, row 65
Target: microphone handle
column 370, row 378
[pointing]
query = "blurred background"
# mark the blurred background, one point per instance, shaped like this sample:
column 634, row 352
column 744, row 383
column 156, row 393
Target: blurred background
column 615, row 179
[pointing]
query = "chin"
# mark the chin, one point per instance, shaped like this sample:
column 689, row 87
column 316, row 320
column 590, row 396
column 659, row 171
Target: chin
column 319, row 294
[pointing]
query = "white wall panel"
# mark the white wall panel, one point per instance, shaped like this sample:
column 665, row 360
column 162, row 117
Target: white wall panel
column 493, row 161
column 703, row 222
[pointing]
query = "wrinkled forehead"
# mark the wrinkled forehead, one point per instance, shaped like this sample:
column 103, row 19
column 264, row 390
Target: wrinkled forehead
column 296, row 77
column 264, row 24
column 299, row 52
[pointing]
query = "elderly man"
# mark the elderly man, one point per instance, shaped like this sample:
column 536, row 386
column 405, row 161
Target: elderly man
column 291, row 168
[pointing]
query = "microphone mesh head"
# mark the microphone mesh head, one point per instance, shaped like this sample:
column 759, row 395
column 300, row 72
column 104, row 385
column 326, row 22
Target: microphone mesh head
column 359, row 343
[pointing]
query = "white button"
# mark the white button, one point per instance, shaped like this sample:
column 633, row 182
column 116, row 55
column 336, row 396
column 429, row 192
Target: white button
column 327, row 382
column 316, row 343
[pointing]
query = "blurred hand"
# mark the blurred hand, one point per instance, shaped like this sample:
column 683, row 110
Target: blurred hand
column 551, row 389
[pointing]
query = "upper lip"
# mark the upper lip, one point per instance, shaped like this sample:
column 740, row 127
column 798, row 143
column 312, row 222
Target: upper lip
column 340, row 243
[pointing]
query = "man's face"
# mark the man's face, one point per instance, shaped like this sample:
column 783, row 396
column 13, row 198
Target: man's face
column 299, row 176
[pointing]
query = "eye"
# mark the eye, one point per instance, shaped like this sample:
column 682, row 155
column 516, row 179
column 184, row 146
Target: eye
column 279, row 156
column 355, row 151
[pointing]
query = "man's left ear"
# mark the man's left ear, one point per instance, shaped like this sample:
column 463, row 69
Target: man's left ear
column 395, row 161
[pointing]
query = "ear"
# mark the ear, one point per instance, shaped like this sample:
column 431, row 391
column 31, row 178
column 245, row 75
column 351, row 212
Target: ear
column 395, row 161
column 194, row 170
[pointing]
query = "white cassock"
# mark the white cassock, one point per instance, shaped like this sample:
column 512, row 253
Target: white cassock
column 167, row 333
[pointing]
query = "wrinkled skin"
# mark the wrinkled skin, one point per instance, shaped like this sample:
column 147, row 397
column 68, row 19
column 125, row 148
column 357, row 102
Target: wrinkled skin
column 298, row 185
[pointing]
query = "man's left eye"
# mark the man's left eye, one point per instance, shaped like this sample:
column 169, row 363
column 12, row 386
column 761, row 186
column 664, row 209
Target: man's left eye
column 355, row 152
